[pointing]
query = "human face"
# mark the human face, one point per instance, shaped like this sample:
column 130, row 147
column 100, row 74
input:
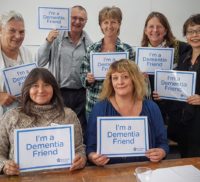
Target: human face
column 193, row 36
column 78, row 20
column 155, row 32
column 41, row 92
column 110, row 27
column 122, row 84
column 12, row 35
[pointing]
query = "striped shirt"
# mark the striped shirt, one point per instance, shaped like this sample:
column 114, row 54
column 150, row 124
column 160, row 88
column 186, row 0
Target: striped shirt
column 94, row 89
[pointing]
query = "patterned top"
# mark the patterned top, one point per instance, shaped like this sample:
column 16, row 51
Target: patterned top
column 94, row 89
column 45, row 115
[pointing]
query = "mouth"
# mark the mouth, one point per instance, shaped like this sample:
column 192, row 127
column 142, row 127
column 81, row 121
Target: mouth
column 195, row 40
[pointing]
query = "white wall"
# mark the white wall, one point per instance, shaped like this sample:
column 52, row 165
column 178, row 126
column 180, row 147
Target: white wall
column 134, row 15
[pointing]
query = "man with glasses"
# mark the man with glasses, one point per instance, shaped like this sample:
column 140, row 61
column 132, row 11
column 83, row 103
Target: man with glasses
column 64, row 52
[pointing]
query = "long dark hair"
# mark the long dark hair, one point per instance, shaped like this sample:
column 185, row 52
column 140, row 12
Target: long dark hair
column 47, row 77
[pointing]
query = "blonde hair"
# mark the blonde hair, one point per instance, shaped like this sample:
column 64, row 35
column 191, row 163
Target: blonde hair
column 110, row 12
column 138, row 80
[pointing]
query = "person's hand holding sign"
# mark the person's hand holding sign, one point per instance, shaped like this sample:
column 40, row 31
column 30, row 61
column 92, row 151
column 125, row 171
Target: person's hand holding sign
column 194, row 99
column 98, row 159
column 11, row 168
column 155, row 154
column 156, row 96
column 6, row 99
column 90, row 78
column 52, row 35
column 78, row 163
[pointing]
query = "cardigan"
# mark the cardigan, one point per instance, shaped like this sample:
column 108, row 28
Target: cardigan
column 45, row 116
column 157, row 131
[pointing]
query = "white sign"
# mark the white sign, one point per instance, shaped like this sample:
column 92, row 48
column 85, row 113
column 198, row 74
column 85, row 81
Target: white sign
column 122, row 136
column 100, row 62
column 15, row 76
column 175, row 85
column 149, row 59
column 44, row 147
column 54, row 18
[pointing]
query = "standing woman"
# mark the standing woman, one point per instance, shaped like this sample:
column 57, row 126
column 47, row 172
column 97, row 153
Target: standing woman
column 157, row 33
column 109, row 21
column 188, row 114
column 12, row 53
column 42, row 105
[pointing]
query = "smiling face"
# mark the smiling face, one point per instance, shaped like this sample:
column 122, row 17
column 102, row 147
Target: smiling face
column 78, row 20
column 110, row 27
column 41, row 93
column 12, row 35
column 193, row 36
column 155, row 31
column 122, row 84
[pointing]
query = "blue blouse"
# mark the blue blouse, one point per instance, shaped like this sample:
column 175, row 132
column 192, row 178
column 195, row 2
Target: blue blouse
column 157, row 131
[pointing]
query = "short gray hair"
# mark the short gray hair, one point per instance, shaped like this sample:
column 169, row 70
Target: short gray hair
column 8, row 16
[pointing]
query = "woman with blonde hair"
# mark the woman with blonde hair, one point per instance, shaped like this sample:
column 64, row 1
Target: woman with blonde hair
column 123, row 94
column 110, row 19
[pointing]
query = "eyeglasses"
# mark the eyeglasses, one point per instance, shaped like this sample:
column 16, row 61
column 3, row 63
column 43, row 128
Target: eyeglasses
column 75, row 18
column 191, row 32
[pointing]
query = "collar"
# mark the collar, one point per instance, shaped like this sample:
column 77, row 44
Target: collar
column 162, row 44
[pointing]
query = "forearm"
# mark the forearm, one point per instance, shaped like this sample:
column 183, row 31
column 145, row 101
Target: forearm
column 43, row 55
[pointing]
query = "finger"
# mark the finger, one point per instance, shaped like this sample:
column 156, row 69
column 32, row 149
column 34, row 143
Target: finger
column 106, row 161
column 78, row 164
column 103, row 162
column 11, row 169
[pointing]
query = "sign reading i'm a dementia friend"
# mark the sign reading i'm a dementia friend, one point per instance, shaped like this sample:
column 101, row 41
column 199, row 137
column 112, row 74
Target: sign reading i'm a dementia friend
column 44, row 147
column 54, row 18
column 175, row 85
column 101, row 61
column 15, row 76
column 122, row 136
column 149, row 59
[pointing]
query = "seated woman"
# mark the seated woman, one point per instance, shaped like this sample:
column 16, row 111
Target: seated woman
column 123, row 95
column 41, row 105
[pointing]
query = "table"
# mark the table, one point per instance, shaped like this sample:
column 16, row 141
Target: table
column 109, row 173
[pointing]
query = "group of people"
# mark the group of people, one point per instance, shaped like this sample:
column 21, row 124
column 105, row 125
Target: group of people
column 68, row 93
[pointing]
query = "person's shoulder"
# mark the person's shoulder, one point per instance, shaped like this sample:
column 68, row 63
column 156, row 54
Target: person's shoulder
column 95, row 46
column 100, row 104
column 68, row 111
column 88, row 40
column 24, row 49
column 150, row 104
column 182, row 46
column 12, row 115
column 124, row 46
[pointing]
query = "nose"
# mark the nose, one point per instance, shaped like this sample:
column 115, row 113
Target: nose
column 17, row 34
column 155, row 28
column 40, row 88
column 120, row 80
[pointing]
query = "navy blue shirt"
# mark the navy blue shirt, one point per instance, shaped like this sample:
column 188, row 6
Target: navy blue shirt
column 156, row 128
